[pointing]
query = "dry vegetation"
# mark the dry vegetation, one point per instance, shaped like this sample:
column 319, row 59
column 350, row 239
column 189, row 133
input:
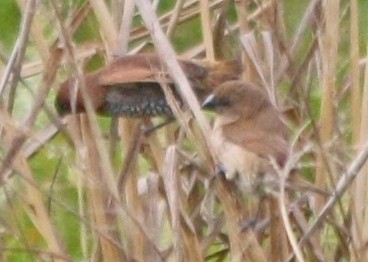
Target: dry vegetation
column 89, row 188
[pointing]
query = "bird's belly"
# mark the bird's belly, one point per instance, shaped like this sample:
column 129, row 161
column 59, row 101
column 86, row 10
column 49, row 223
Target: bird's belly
column 235, row 159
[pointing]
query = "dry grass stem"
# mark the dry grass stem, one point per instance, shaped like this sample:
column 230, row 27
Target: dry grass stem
column 107, row 24
column 206, row 29
column 85, row 187
column 330, row 47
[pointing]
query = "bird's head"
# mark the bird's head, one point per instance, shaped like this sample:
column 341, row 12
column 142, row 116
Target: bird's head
column 236, row 98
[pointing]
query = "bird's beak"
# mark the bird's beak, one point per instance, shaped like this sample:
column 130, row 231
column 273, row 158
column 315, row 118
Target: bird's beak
column 209, row 103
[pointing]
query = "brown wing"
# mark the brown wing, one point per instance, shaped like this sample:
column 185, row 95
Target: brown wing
column 265, row 135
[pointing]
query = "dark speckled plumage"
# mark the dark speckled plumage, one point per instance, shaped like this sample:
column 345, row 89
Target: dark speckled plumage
column 144, row 99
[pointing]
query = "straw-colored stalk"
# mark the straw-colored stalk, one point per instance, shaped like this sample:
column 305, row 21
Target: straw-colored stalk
column 37, row 35
column 206, row 29
column 106, row 23
column 137, row 242
column 355, row 72
column 330, row 42
column 99, row 197
column 219, row 36
column 244, row 245
column 124, row 32
column 241, row 10
column 360, row 194
column 172, row 189
column 127, row 127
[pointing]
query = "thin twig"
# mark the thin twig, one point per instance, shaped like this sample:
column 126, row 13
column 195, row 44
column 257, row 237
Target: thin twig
column 342, row 185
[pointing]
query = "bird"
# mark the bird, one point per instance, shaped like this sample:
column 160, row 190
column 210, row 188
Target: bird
column 130, row 86
column 248, row 130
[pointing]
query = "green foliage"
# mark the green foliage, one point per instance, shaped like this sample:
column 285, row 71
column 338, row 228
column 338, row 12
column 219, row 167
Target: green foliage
column 87, row 31
column 187, row 34
column 294, row 11
column 363, row 22
column 9, row 22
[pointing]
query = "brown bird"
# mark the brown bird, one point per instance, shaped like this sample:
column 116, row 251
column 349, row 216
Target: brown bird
column 248, row 130
column 130, row 85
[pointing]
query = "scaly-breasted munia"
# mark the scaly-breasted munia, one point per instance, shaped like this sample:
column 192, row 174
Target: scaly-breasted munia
column 130, row 85
column 248, row 129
